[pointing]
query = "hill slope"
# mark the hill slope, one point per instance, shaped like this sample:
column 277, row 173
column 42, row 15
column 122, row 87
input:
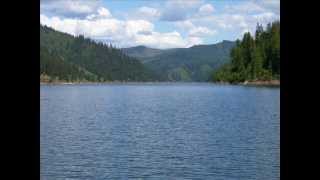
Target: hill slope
column 144, row 54
column 70, row 58
column 184, row 64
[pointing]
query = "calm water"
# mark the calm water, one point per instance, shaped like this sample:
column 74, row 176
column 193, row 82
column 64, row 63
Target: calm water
column 160, row 131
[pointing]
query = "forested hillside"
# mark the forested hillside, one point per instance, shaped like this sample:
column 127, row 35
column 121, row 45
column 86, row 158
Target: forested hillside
column 143, row 53
column 184, row 64
column 68, row 58
column 254, row 58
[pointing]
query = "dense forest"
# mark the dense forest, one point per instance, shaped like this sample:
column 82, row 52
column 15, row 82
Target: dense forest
column 184, row 64
column 67, row 58
column 254, row 58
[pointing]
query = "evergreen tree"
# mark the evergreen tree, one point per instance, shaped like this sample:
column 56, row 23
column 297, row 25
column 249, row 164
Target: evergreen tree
column 257, row 62
column 254, row 59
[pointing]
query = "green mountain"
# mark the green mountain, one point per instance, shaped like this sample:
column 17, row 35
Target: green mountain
column 68, row 58
column 144, row 54
column 184, row 64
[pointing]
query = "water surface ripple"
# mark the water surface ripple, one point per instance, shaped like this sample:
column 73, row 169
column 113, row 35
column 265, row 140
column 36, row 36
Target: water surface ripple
column 159, row 131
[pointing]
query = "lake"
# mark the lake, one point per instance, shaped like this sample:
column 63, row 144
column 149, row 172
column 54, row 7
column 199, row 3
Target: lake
column 159, row 131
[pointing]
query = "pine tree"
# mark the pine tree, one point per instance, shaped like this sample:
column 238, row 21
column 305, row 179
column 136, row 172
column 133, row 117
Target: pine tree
column 257, row 63
column 254, row 59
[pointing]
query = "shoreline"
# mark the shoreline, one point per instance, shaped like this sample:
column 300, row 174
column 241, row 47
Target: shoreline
column 246, row 83
column 107, row 82
column 262, row 83
column 119, row 82
column 253, row 83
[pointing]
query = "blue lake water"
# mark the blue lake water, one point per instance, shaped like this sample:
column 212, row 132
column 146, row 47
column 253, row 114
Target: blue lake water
column 160, row 131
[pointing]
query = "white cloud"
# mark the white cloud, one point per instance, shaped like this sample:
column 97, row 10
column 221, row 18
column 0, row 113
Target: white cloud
column 133, row 28
column 142, row 13
column 69, row 8
column 121, row 33
column 272, row 5
column 75, row 6
column 265, row 17
column 194, row 30
column 195, row 34
column 238, row 18
column 103, row 12
column 201, row 31
column 231, row 20
column 178, row 10
column 220, row 21
column 67, row 26
column 191, row 41
column 194, row 20
column 185, row 25
column 245, row 7
column 162, row 40
column 206, row 9
column 183, row 3
column 148, row 12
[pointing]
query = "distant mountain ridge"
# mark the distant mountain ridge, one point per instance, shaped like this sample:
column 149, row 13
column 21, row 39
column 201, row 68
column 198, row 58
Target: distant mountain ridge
column 142, row 52
column 196, row 63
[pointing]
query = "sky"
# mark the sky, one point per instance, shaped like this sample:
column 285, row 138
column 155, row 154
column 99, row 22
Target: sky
column 158, row 24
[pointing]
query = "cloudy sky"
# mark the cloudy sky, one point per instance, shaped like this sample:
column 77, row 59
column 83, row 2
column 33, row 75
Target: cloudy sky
column 158, row 23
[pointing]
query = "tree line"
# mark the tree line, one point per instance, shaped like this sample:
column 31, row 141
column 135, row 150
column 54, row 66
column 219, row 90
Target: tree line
column 254, row 58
